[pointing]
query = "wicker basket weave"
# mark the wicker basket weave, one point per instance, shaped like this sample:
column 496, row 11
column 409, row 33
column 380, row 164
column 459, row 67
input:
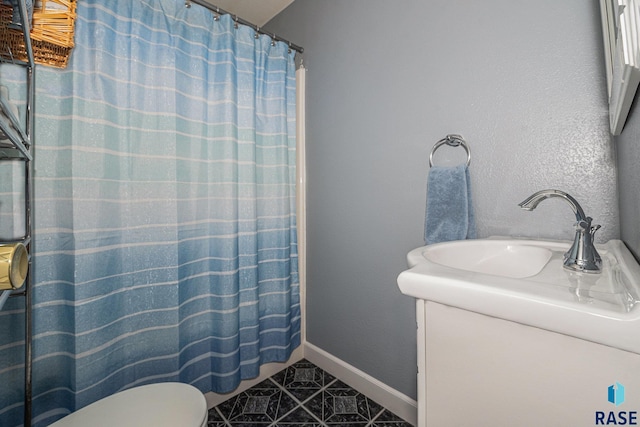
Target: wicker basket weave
column 52, row 33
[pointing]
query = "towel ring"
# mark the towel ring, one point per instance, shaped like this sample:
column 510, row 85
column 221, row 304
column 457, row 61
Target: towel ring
column 451, row 140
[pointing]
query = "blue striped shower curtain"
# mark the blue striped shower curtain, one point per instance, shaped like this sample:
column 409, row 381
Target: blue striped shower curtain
column 166, row 246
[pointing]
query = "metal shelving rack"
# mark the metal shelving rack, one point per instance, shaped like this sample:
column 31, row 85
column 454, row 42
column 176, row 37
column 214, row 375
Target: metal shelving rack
column 20, row 148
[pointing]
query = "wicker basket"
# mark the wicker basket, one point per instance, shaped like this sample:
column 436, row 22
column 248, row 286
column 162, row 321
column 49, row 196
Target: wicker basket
column 52, row 33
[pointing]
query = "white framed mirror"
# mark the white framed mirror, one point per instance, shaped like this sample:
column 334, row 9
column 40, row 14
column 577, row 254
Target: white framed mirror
column 620, row 29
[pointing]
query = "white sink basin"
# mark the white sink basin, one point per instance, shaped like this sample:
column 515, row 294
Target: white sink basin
column 523, row 281
column 500, row 258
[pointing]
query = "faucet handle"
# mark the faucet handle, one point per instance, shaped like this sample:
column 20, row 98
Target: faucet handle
column 584, row 224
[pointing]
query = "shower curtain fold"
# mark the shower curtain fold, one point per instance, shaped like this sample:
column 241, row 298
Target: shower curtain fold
column 166, row 246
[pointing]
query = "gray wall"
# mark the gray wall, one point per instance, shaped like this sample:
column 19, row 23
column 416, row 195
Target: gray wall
column 628, row 147
column 523, row 82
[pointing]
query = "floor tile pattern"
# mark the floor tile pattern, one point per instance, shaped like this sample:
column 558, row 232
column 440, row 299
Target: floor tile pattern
column 302, row 395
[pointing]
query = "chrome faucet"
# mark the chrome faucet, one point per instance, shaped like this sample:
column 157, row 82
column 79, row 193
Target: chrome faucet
column 582, row 256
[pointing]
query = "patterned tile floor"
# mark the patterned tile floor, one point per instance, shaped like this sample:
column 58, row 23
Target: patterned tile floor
column 302, row 395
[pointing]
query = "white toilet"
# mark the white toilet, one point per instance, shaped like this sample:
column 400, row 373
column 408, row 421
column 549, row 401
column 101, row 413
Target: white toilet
column 157, row 405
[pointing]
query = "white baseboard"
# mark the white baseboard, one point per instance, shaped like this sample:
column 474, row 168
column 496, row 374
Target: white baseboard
column 398, row 403
column 266, row 371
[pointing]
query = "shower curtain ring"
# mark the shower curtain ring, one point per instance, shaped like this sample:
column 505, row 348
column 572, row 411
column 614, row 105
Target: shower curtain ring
column 187, row 4
column 235, row 22
column 257, row 34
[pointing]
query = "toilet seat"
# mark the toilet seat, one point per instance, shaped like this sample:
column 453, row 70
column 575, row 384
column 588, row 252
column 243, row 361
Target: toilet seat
column 157, row 405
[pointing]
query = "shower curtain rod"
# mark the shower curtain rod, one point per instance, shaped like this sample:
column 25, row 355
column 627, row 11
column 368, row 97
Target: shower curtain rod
column 239, row 20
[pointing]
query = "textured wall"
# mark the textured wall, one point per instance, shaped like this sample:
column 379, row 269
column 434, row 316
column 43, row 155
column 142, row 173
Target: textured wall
column 523, row 82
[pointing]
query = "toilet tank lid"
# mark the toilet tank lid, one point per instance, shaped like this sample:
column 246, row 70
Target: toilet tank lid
column 159, row 405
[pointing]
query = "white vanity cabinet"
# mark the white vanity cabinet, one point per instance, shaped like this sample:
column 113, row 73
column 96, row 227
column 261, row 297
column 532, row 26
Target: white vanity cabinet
column 478, row 370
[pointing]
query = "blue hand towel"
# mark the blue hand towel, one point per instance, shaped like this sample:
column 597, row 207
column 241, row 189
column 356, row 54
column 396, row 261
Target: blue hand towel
column 449, row 213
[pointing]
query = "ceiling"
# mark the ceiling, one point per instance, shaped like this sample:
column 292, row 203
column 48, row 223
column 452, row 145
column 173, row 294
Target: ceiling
column 258, row 12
